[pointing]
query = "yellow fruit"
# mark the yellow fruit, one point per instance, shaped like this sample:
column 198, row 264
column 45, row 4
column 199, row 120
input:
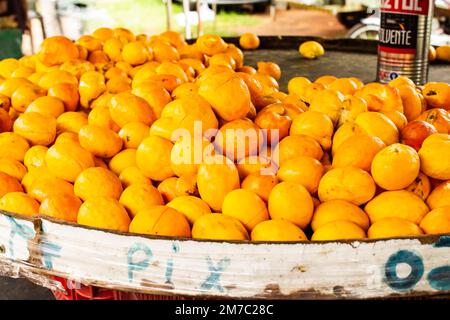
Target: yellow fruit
column 92, row 85
column 378, row 125
column 329, row 102
column 132, row 175
column 63, row 207
column 71, row 122
column 57, row 50
column 48, row 106
column 210, row 44
column 437, row 221
column 66, row 160
column 97, row 182
column 103, row 213
column 153, row 158
column 113, row 49
column 357, row 151
column 349, row 183
column 126, row 107
column 338, row 230
column 13, row 168
column 19, row 202
column 311, row 50
column 421, row 186
column 255, row 164
column 393, row 227
column 314, row 124
column 7, row 67
column 351, row 108
column 192, row 207
column 395, row 167
column 296, row 146
column 135, row 53
column 37, row 128
column 133, row 133
column 339, row 210
column 216, row 226
column 344, row 132
column 434, row 149
column 303, row 170
column 13, row 146
column 261, row 184
column 161, row 221
column 440, row 196
column 54, row 77
column 140, row 196
column 216, row 177
column 67, row 93
column 45, row 186
column 291, row 201
column 9, row 184
column 99, row 141
column 277, row 230
column 188, row 153
column 249, row 41
column 67, row 137
column 297, row 85
column 401, row 204
column 100, row 117
column 245, row 206
column 24, row 95
column 9, row 86
column 123, row 160
column 31, row 176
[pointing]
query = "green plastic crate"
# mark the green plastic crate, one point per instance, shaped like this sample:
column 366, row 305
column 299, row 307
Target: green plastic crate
column 10, row 43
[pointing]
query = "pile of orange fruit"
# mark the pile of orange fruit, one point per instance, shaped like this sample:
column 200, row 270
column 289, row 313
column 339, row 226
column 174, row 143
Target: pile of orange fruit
column 88, row 136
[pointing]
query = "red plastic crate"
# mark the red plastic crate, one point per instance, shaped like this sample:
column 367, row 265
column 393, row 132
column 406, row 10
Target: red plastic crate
column 95, row 293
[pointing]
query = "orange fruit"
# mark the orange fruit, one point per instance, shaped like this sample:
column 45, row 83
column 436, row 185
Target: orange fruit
column 297, row 85
column 395, row 167
column 443, row 53
column 210, row 44
column 338, row 230
column 19, row 202
column 32, row 175
column 77, row 67
column 191, row 207
column 62, row 207
column 161, row 221
column 123, row 160
column 291, row 201
column 132, row 175
column 8, row 66
column 92, row 85
column 303, row 170
column 133, row 133
column 295, row 146
column 67, row 93
column 329, row 102
column 101, row 117
column 412, row 102
column 357, row 151
column 314, row 124
column 54, row 77
column 228, row 95
column 274, row 119
column 153, row 158
column 13, row 168
column 185, row 90
column 112, row 47
column 118, row 84
column 270, row 69
column 46, row 186
column 255, row 164
column 349, row 183
column 216, row 226
column 165, row 52
column 381, row 97
column 8, row 86
column 400, row 203
column 24, row 95
column 351, row 108
column 97, row 182
column 154, row 94
column 311, row 50
column 6, row 123
column 222, row 59
column 378, row 125
column 216, row 177
column 140, row 196
column 91, row 43
column 124, row 35
column 188, row 153
column 126, row 107
column 246, row 206
column 346, row 86
column 440, row 196
column 136, row 53
column 67, row 137
column 99, row 141
column 48, row 106
column 236, row 54
column 437, row 221
column 13, row 146
column 5, row 103
column 103, row 213
column 71, row 122
column 245, row 137
column 435, row 148
column 66, row 160
column 421, row 186
column 398, row 118
column 344, row 132
column 57, row 50
column 176, row 39
column 334, row 210
column 437, row 95
column 393, row 227
column 261, row 184
column 249, row 41
column 439, row 118
column 35, row 157
column 37, row 128
column 277, row 230
column 9, row 184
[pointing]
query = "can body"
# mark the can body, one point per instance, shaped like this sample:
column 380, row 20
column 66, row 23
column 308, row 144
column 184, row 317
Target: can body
column 404, row 39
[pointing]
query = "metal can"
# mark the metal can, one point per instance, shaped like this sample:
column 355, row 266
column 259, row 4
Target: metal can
column 404, row 39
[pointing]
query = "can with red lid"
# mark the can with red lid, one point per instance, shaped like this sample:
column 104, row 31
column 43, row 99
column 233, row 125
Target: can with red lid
column 404, row 39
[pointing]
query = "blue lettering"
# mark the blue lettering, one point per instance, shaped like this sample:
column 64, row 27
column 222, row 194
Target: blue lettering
column 213, row 280
column 138, row 265
column 417, row 269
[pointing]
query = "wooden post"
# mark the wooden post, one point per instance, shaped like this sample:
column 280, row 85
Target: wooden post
column 168, row 14
column 199, row 21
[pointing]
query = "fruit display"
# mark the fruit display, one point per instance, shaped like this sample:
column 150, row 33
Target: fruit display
column 154, row 135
